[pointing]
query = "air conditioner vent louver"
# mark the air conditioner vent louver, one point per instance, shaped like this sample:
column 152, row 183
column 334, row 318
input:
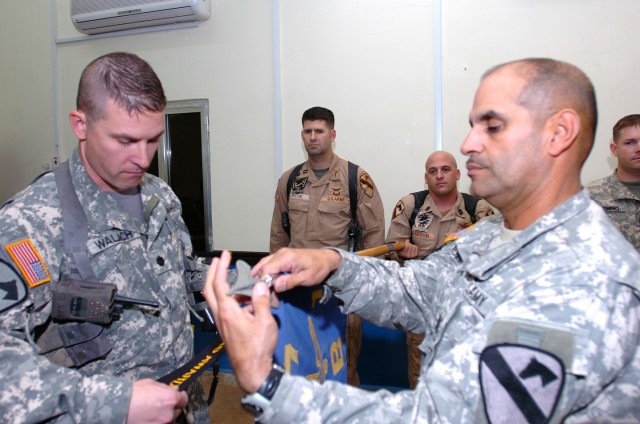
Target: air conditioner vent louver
column 100, row 16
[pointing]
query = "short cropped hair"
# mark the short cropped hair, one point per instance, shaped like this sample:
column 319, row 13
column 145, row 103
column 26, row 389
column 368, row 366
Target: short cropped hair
column 318, row 113
column 124, row 78
column 552, row 85
column 627, row 121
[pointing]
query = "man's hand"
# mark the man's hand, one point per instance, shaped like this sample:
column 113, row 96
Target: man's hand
column 409, row 251
column 249, row 333
column 302, row 267
column 153, row 402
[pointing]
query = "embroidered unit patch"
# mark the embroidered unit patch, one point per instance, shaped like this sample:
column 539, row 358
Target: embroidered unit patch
column 29, row 262
column 13, row 290
column 366, row 184
column 423, row 221
column 398, row 209
column 520, row 382
column 298, row 185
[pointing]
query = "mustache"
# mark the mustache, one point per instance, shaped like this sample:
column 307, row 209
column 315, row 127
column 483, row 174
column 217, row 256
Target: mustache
column 476, row 162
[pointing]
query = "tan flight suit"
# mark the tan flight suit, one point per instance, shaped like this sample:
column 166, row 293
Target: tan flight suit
column 319, row 216
column 429, row 232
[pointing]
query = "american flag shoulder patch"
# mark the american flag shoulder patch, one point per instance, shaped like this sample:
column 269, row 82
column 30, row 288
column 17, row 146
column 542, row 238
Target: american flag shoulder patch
column 28, row 260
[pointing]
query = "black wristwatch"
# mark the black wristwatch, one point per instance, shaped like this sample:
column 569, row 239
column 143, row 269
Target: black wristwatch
column 257, row 402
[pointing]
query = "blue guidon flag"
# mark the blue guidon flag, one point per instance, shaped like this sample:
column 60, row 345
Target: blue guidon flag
column 520, row 384
column 13, row 289
column 311, row 337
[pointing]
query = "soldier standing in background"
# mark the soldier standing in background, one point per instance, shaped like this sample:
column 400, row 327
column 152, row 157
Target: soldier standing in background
column 424, row 219
column 619, row 193
column 313, row 207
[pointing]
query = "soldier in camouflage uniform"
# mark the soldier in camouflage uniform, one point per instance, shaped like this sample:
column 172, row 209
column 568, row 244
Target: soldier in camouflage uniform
column 619, row 193
column 532, row 316
column 442, row 213
column 137, row 240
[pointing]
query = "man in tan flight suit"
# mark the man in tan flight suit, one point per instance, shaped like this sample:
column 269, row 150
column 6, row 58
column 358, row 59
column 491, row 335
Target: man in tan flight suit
column 318, row 208
column 445, row 211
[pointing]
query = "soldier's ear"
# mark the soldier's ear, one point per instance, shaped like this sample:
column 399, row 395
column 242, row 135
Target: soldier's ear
column 78, row 121
column 563, row 129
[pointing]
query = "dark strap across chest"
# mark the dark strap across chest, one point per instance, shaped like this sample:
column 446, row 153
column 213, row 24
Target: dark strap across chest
column 74, row 224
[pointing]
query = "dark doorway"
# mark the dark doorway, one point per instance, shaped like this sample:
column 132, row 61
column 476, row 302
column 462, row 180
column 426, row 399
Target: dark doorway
column 183, row 162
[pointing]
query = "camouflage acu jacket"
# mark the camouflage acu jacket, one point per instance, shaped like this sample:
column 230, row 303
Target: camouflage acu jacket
column 544, row 327
column 620, row 204
column 145, row 261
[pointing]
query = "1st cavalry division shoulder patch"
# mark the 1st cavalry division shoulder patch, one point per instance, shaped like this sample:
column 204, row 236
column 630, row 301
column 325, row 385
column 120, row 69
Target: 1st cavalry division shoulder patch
column 366, row 184
column 520, row 382
column 398, row 209
column 28, row 260
column 13, row 289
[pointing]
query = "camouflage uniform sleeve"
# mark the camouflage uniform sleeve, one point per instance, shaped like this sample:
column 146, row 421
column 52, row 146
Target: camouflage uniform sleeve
column 597, row 377
column 483, row 209
column 370, row 211
column 32, row 388
column 279, row 238
column 35, row 390
column 526, row 299
column 303, row 401
column 451, row 390
column 383, row 292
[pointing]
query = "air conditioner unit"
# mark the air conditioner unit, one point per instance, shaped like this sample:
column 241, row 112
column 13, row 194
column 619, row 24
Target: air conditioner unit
column 99, row 16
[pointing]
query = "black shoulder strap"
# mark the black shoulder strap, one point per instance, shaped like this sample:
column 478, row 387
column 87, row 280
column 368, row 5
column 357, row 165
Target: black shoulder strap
column 74, row 223
column 419, row 197
column 353, row 190
column 470, row 203
column 292, row 177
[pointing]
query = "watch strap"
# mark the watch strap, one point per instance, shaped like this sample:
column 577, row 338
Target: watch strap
column 257, row 402
column 271, row 383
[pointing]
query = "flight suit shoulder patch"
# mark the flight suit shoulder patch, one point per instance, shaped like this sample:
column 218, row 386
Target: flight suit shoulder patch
column 398, row 210
column 367, row 184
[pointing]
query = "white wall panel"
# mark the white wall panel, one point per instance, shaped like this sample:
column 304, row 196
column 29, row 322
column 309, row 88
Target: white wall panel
column 370, row 61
